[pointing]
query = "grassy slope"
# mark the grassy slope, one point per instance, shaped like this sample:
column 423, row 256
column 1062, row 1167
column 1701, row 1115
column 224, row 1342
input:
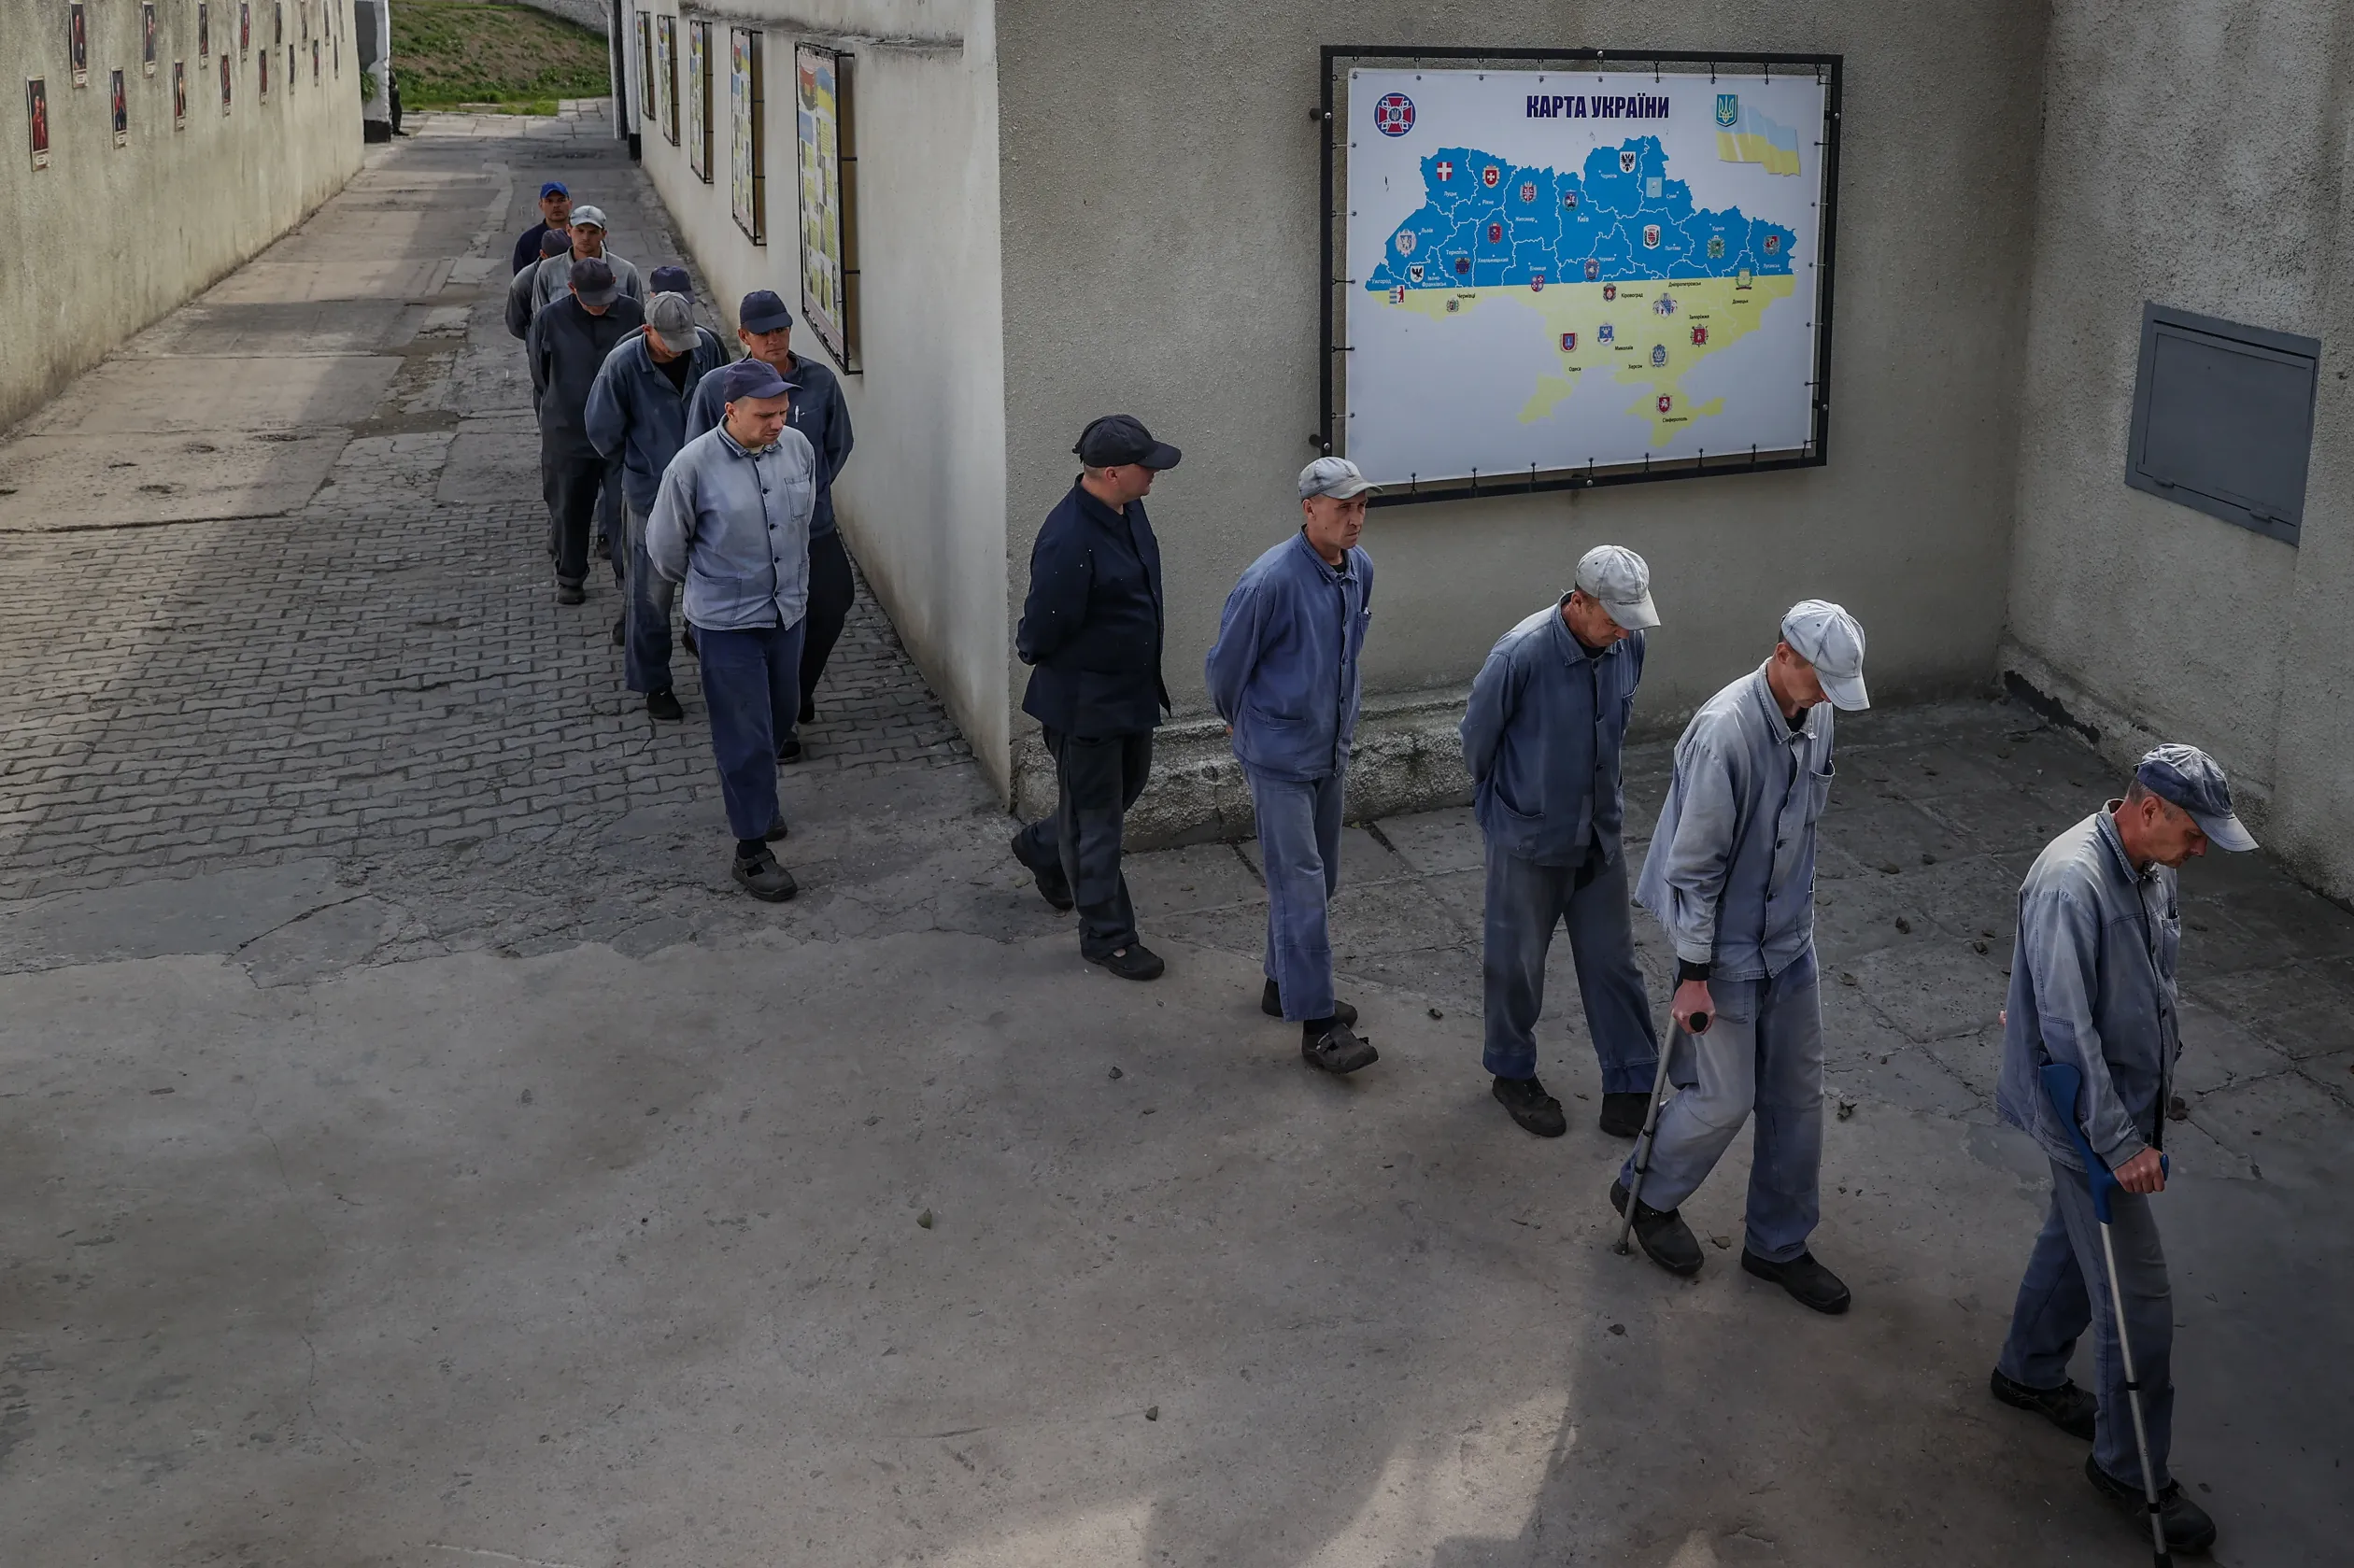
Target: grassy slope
column 450, row 51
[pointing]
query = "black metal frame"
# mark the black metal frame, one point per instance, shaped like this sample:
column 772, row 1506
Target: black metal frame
column 1828, row 68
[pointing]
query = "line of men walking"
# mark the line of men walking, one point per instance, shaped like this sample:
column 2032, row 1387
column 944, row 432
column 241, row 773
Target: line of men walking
column 1729, row 875
column 702, row 472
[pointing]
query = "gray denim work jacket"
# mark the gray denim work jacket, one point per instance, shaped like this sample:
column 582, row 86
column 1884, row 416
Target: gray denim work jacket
column 1730, row 874
column 1543, row 735
column 733, row 526
column 2092, row 982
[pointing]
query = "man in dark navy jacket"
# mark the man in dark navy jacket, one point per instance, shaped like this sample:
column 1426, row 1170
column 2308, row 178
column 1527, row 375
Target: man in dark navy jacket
column 1091, row 629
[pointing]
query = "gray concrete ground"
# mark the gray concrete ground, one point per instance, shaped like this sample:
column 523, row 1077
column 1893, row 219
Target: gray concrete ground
column 413, row 1152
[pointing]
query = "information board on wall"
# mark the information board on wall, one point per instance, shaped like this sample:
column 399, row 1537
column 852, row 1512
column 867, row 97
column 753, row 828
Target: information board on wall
column 747, row 168
column 1565, row 275
column 826, row 159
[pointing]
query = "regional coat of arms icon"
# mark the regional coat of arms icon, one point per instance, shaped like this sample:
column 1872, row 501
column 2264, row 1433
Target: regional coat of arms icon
column 1626, row 163
column 1609, row 290
column 1593, row 269
column 1406, row 242
column 1650, row 236
column 1528, row 190
column 1394, row 114
column 1490, row 176
column 1568, row 342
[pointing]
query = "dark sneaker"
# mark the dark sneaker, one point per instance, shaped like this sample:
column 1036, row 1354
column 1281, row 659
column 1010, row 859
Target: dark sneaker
column 664, row 705
column 1272, row 1004
column 1331, row 1046
column 760, row 876
column 1662, row 1235
column 570, row 593
column 1622, row 1114
column 1812, row 1284
column 2068, row 1408
column 604, row 549
column 2187, row 1526
column 789, row 752
column 1531, row 1107
column 620, row 629
column 1133, row 962
column 808, row 711
column 1053, row 886
column 777, row 833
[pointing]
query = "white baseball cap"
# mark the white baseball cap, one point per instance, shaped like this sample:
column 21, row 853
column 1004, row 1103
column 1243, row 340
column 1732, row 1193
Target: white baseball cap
column 1337, row 477
column 1831, row 639
column 1616, row 578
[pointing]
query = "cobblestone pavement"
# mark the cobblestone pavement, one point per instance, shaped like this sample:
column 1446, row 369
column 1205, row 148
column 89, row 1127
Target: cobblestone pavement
column 412, row 1151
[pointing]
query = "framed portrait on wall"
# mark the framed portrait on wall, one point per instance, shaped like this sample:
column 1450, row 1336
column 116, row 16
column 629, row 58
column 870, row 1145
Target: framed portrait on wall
column 179, row 94
column 204, row 30
column 314, row 59
column 697, row 118
column 666, row 63
column 747, row 160
column 645, row 65
column 245, row 28
column 278, row 23
column 118, row 108
column 37, row 118
column 225, row 67
column 826, row 161
column 147, row 35
column 77, row 43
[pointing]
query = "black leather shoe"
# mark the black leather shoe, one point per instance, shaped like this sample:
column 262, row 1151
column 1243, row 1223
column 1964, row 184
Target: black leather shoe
column 1331, row 1046
column 1531, row 1107
column 760, row 876
column 604, row 549
column 2186, row 1524
column 2068, row 1408
column 1805, row 1279
column 1662, row 1235
column 1272, row 1004
column 1622, row 1114
column 1133, row 962
column 789, row 752
column 776, row 834
column 663, row 704
column 1053, row 886
column 808, row 711
column 570, row 593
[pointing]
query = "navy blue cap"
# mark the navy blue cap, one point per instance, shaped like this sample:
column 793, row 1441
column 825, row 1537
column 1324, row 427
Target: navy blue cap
column 593, row 280
column 2190, row 779
column 1122, row 438
column 554, row 188
column 751, row 379
column 763, row 312
column 669, row 280
column 555, row 241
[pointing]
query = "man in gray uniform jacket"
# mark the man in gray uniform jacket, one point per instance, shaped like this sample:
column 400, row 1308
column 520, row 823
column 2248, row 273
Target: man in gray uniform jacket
column 587, row 243
column 2093, row 984
column 1730, row 875
column 1542, row 735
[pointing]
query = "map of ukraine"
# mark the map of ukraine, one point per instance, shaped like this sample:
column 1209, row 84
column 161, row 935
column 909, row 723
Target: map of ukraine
column 1630, row 278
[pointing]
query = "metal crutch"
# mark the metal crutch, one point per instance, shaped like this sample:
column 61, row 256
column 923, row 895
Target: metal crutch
column 2063, row 1085
column 1651, row 1125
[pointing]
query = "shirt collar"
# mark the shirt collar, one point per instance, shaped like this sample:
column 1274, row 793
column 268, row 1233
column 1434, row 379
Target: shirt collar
column 1778, row 726
column 1344, row 572
column 738, row 447
column 1094, row 508
column 2115, row 842
column 1569, row 642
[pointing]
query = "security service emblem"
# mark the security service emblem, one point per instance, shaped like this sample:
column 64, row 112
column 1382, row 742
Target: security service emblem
column 1659, row 355
column 1626, row 163
column 1489, row 175
column 1394, row 114
column 1728, row 110
column 1568, row 342
column 1650, row 236
column 1406, row 242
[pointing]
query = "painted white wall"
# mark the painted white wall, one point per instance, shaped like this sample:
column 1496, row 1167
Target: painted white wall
column 106, row 240
column 2197, row 154
column 922, row 500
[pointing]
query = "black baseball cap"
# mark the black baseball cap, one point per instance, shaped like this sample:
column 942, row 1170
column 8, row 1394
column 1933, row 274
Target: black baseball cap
column 763, row 312
column 555, row 241
column 1122, row 438
column 593, row 280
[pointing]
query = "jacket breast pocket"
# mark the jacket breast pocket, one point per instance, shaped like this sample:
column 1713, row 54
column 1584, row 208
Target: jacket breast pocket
column 1819, row 790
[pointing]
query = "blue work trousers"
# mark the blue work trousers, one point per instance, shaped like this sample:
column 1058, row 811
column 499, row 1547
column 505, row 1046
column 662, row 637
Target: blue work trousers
column 751, row 681
column 2065, row 1291
column 646, row 649
column 1763, row 1051
column 1525, row 904
column 1299, row 847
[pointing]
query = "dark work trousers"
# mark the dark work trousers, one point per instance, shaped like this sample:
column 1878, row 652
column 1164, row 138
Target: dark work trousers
column 1097, row 779
column 831, row 590
column 1525, row 904
column 581, row 485
column 1299, row 847
column 2065, row 1292
column 645, row 653
column 750, row 682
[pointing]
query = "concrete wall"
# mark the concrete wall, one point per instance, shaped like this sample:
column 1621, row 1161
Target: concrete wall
column 107, row 239
column 2197, row 154
column 922, row 502
column 1144, row 170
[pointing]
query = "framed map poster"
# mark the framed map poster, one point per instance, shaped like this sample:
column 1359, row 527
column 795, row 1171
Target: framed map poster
column 748, row 148
column 1560, row 273
column 666, row 76
column 645, row 65
column 699, row 99
column 826, row 159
